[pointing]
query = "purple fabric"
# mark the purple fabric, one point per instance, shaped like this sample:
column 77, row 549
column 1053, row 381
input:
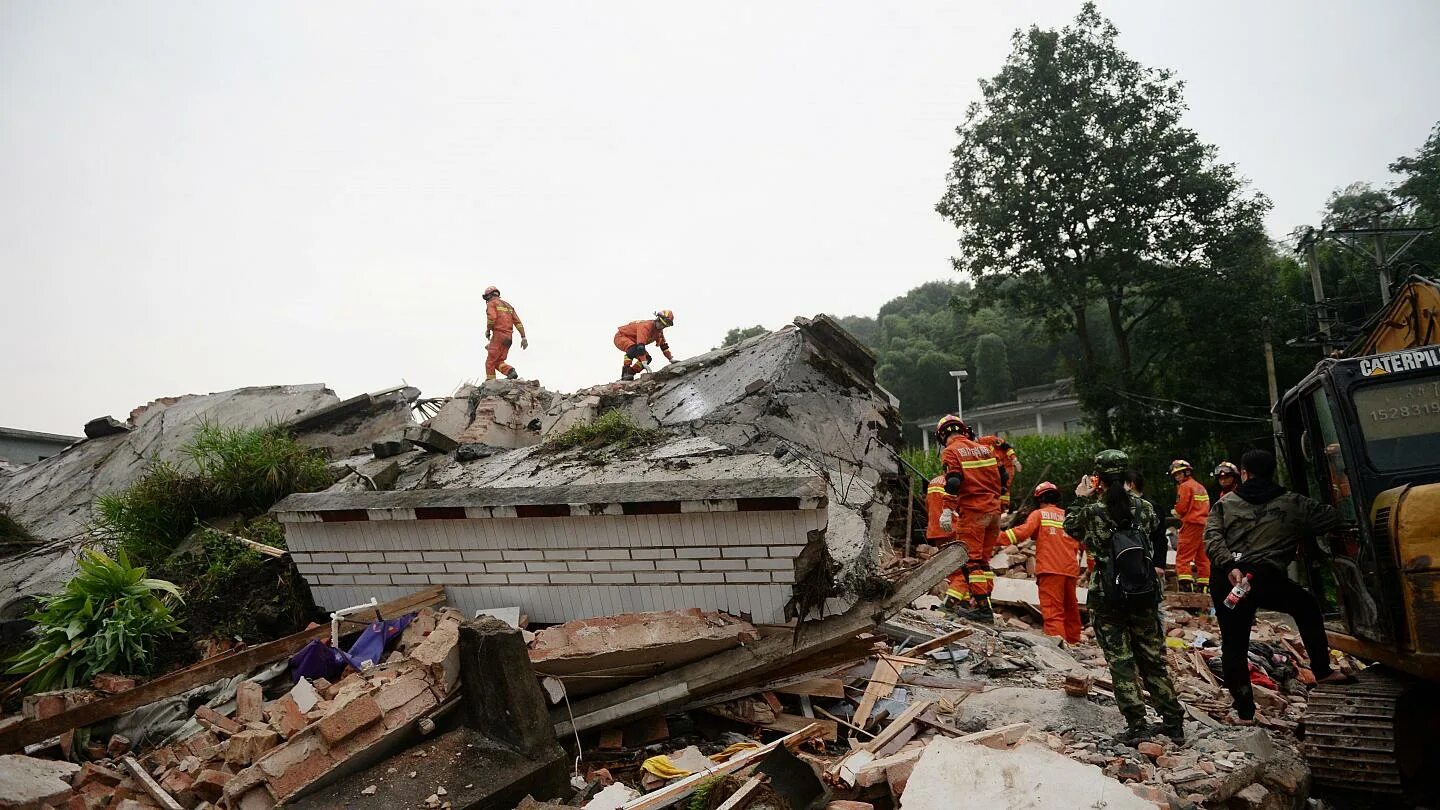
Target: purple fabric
column 319, row 660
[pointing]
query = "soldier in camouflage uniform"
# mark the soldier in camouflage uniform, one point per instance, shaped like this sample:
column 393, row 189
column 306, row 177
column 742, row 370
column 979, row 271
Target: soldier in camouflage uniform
column 1127, row 632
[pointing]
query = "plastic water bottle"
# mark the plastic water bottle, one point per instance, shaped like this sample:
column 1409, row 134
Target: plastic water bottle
column 1238, row 592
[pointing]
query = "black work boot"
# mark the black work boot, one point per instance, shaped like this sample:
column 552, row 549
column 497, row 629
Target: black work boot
column 627, row 376
column 1186, row 586
column 1174, row 729
column 1134, row 735
column 513, row 375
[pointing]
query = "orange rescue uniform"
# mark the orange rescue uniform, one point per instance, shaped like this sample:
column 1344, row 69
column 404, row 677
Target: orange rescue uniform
column 641, row 334
column 978, row 504
column 1007, row 460
column 1192, row 506
column 1057, row 569
column 501, row 321
column 937, row 500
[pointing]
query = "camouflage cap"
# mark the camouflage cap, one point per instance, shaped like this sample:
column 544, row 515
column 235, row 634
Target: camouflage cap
column 1111, row 462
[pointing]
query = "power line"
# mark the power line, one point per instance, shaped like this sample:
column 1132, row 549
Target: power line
column 1197, row 407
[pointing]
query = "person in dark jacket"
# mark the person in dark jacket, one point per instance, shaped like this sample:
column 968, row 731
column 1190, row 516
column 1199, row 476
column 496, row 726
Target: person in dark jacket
column 1255, row 531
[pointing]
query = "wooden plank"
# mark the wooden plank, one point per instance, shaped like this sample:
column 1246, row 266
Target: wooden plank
column 938, row 642
column 753, row 663
column 815, row 687
column 882, row 683
column 743, row 793
column 15, row 737
column 842, row 721
column 165, row 800
column 898, row 724
column 679, row 789
column 942, row 682
column 788, row 723
column 1198, row 660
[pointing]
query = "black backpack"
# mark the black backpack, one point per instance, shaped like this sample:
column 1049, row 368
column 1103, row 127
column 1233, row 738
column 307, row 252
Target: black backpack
column 1130, row 572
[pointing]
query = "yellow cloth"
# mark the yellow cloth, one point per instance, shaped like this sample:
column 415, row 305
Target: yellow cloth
column 662, row 767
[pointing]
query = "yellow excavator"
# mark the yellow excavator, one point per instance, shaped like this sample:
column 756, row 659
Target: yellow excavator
column 1362, row 433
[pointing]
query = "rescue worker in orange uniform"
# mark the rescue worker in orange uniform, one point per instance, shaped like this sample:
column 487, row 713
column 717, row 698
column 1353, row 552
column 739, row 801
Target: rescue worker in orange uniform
column 633, row 337
column 1227, row 476
column 501, row 322
column 1192, row 506
column 1008, row 459
column 1057, row 563
column 976, row 479
column 940, row 528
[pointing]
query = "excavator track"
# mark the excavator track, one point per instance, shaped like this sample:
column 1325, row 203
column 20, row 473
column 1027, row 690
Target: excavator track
column 1350, row 738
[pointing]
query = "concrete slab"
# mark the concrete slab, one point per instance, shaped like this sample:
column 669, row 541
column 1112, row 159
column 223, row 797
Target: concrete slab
column 1027, row 776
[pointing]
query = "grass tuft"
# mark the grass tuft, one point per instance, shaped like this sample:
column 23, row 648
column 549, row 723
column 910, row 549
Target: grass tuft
column 613, row 430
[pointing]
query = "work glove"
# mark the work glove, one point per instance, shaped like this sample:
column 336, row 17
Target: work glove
column 524, row 342
column 669, row 358
column 947, row 520
column 1086, row 487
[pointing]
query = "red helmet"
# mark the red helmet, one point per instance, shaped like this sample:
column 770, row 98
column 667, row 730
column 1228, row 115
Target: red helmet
column 949, row 425
column 490, row 292
column 1044, row 487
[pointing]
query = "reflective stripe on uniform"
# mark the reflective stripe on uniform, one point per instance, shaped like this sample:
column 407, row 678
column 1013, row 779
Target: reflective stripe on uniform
column 1010, row 535
column 1184, row 577
column 935, row 491
column 1200, row 497
column 954, row 594
column 1052, row 524
column 986, row 462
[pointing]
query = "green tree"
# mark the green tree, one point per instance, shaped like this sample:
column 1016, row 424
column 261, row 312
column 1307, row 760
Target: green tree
column 1421, row 171
column 992, row 369
column 1076, row 189
column 738, row 334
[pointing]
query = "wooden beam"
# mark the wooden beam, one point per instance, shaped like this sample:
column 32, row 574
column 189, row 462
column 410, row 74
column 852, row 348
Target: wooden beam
column 815, row 687
column 162, row 798
column 787, row 723
column 938, row 642
column 15, row 737
column 755, row 662
column 898, row 724
column 882, row 683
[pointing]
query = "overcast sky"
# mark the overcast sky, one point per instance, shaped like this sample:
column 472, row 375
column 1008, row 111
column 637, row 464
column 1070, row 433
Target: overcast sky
column 197, row 196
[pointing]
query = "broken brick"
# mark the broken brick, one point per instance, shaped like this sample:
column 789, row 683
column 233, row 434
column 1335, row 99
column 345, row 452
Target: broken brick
column 296, row 764
column 42, row 705
column 349, row 718
column 179, row 785
column 247, row 746
column 91, row 773
column 113, row 684
column 249, row 702
column 285, row 717
column 213, row 720
column 118, row 746
column 209, row 785
column 1150, row 749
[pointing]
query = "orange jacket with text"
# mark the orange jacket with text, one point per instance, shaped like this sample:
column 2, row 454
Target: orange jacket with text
column 640, row 333
column 980, row 470
column 1192, row 502
column 1055, row 551
column 937, row 500
column 501, row 317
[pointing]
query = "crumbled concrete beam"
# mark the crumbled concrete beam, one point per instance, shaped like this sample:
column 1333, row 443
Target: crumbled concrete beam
column 430, row 439
column 102, row 426
column 27, row 782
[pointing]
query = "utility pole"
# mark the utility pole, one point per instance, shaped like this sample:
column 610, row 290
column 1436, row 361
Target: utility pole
column 1317, row 286
column 1274, row 387
column 960, row 377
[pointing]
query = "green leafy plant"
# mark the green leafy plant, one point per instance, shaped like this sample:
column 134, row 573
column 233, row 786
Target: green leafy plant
column 612, row 429
column 105, row 620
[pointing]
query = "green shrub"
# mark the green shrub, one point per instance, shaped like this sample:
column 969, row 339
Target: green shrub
column 231, row 470
column 612, row 429
column 105, row 620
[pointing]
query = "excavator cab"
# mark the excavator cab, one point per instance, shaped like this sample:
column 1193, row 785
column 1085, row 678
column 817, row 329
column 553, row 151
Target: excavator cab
column 1363, row 435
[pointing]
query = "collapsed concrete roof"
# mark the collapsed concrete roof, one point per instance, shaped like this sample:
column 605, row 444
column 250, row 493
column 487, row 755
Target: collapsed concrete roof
column 53, row 499
column 795, row 408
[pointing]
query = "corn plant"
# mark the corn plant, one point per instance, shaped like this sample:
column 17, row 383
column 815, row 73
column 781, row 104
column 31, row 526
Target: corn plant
column 105, row 620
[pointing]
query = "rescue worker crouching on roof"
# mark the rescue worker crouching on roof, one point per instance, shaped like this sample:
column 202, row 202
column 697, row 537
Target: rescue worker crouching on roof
column 1057, row 563
column 1192, row 507
column 501, row 322
column 976, row 479
column 633, row 337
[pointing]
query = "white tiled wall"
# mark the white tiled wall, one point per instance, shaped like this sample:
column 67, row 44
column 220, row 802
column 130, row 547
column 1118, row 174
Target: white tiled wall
column 562, row 568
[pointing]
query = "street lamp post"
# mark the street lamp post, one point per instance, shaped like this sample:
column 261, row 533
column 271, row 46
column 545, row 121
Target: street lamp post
column 960, row 377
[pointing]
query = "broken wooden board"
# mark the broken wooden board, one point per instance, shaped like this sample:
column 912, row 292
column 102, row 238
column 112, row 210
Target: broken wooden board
column 752, row 663
column 789, row 723
column 679, row 789
column 882, row 683
column 17, row 736
column 815, row 687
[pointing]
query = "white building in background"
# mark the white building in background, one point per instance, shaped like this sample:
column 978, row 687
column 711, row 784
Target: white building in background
column 1040, row 409
column 20, row 448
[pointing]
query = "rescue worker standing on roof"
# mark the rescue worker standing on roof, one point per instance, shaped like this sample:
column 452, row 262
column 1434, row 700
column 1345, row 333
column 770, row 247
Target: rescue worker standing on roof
column 976, row 479
column 633, row 337
column 940, row 527
column 1057, row 563
column 501, row 321
column 1192, row 506
column 1125, row 625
